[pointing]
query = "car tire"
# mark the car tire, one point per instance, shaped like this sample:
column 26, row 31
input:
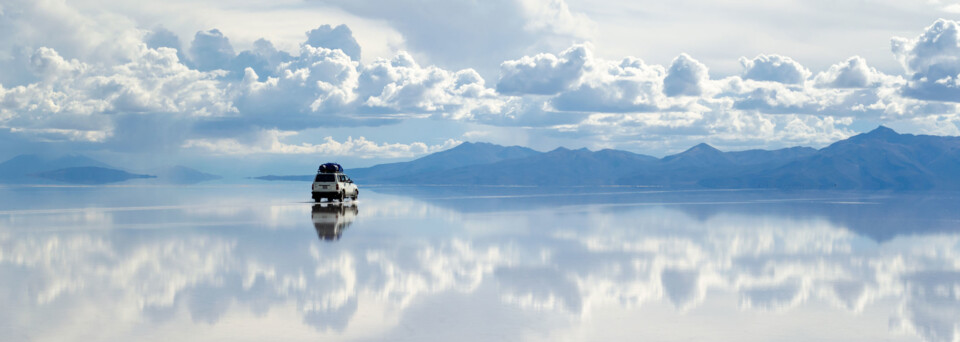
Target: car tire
column 342, row 197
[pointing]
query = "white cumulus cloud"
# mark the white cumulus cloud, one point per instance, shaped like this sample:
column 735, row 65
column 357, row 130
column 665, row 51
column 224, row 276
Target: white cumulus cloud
column 932, row 62
column 774, row 68
column 545, row 73
column 82, row 100
column 853, row 73
column 629, row 85
column 686, row 76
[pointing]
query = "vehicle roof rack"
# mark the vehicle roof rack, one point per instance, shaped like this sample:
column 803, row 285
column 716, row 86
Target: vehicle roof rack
column 330, row 168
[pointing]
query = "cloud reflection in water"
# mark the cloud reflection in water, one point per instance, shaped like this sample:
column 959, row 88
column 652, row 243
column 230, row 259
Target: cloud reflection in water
column 538, row 268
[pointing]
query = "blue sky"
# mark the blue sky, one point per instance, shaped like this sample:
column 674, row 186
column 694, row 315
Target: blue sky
column 276, row 86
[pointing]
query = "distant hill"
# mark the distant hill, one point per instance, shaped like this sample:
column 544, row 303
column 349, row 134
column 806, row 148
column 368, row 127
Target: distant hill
column 558, row 167
column 89, row 175
column 690, row 167
column 608, row 167
column 880, row 159
column 77, row 169
column 465, row 154
column 762, row 157
column 183, row 175
column 21, row 169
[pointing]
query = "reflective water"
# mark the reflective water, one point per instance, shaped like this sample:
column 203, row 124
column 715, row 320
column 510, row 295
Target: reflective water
column 476, row 264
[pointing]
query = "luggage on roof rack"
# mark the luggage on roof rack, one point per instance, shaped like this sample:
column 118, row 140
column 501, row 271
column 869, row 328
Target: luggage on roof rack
column 330, row 168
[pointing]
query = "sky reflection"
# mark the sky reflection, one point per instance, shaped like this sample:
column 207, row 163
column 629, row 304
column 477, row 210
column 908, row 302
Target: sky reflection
column 262, row 263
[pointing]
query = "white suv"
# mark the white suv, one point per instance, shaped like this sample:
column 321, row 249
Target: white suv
column 332, row 184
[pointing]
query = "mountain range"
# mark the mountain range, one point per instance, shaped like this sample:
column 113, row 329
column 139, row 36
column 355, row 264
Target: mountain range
column 465, row 154
column 77, row 169
column 879, row 159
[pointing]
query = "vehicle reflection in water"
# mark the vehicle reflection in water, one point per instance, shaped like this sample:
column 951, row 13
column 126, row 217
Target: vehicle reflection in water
column 330, row 219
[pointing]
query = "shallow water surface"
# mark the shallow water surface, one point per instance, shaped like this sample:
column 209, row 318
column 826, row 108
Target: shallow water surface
column 260, row 262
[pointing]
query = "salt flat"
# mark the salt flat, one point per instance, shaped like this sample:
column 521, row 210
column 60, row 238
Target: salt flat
column 262, row 262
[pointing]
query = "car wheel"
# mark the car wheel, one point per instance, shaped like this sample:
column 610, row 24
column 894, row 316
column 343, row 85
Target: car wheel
column 341, row 197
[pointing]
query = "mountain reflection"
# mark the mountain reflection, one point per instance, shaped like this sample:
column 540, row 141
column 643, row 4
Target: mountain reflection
column 331, row 219
column 880, row 216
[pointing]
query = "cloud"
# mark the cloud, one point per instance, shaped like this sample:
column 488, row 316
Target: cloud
column 161, row 37
column 932, row 62
column 114, row 91
column 264, row 59
column 882, row 101
column 544, row 74
column 774, row 68
column 735, row 105
column 725, row 128
column 210, row 50
column 47, row 63
column 101, row 38
column 272, row 142
column 77, row 101
column 629, row 85
column 339, row 37
column 854, row 73
column 685, row 77
column 400, row 85
column 318, row 80
column 580, row 82
column 82, row 101
column 325, row 87
column 481, row 34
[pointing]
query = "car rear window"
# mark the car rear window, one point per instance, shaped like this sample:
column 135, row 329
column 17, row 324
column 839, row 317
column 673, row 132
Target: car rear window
column 324, row 178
